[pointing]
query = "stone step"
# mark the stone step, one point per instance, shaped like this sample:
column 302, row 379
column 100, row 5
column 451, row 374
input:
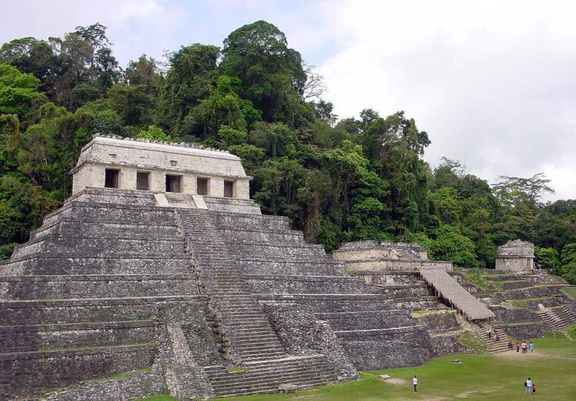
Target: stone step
column 104, row 247
column 263, row 236
column 118, row 264
column 78, row 335
column 269, row 375
column 492, row 345
column 363, row 320
column 263, row 384
column 85, row 286
column 167, row 230
column 250, row 323
column 290, row 267
column 248, row 316
column 532, row 292
column 254, row 341
column 64, row 367
column 111, row 213
column 34, row 312
column 248, row 356
column 258, row 347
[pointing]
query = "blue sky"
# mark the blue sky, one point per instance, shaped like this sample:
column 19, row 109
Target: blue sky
column 491, row 81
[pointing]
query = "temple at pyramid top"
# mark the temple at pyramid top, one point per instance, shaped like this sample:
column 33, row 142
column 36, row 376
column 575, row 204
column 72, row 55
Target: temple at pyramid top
column 159, row 167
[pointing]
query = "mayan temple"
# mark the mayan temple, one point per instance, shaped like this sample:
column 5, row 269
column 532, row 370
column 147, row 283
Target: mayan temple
column 160, row 276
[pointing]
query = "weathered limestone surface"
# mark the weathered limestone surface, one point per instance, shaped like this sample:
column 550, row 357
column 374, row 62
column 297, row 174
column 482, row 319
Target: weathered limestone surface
column 403, row 273
column 302, row 274
column 301, row 334
column 515, row 256
column 545, row 305
column 386, row 256
column 195, row 295
column 96, row 292
column 132, row 156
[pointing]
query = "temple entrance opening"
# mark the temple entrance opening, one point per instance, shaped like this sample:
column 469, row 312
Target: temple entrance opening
column 202, row 186
column 143, row 180
column 112, row 178
column 173, row 183
column 229, row 189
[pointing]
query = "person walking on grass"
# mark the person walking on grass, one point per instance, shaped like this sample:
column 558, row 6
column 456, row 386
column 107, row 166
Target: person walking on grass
column 415, row 383
column 531, row 346
column 528, row 385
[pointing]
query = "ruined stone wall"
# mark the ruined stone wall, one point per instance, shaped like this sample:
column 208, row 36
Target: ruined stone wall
column 363, row 256
column 372, row 250
column 302, row 334
column 139, row 384
column 36, row 371
column 383, row 349
column 396, row 265
column 444, row 330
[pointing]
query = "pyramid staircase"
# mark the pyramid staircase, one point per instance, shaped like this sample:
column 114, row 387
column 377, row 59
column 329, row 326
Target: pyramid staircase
column 282, row 269
column 248, row 341
column 501, row 345
column 558, row 317
column 544, row 305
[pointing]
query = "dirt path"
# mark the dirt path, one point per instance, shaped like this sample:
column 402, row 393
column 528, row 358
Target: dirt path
column 535, row 354
column 517, row 355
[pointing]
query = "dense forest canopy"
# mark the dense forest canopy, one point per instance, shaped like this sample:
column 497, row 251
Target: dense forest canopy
column 338, row 181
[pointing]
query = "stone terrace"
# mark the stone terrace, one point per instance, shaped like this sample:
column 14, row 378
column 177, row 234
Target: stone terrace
column 529, row 304
column 104, row 288
column 293, row 278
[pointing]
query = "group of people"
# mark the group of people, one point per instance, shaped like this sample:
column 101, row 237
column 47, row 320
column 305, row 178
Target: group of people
column 524, row 346
column 529, row 385
column 496, row 334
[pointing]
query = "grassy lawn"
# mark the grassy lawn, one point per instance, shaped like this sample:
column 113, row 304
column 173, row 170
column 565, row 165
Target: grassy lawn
column 487, row 377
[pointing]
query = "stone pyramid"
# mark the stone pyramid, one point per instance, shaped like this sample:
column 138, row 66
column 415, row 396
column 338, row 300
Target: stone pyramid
column 160, row 276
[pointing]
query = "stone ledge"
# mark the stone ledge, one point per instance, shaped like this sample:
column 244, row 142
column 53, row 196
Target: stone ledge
column 353, row 334
column 99, row 277
column 76, row 326
column 295, row 277
column 34, row 303
column 51, row 354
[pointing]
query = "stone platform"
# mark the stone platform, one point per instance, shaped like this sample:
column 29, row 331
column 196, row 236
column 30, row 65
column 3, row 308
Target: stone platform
column 118, row 295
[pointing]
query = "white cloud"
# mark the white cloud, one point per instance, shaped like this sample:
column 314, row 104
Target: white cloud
column 491, row 82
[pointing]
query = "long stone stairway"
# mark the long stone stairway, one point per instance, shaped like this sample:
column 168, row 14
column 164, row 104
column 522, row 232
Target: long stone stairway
column 247, row 337
column 283, row 271
column 244, row 325
column 492, row 344
column 558, row 317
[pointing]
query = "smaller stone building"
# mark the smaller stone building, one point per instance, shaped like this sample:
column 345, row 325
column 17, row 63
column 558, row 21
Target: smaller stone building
column 515, row 256
column 387, row 256
column 141, row 164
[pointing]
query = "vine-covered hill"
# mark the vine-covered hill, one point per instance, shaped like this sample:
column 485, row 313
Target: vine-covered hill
column 336, row 179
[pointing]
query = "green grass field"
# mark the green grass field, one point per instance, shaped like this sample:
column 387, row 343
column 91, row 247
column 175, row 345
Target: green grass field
column 487, row 377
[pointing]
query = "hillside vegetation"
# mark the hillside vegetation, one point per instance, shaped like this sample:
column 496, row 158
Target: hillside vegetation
column 337, row 179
